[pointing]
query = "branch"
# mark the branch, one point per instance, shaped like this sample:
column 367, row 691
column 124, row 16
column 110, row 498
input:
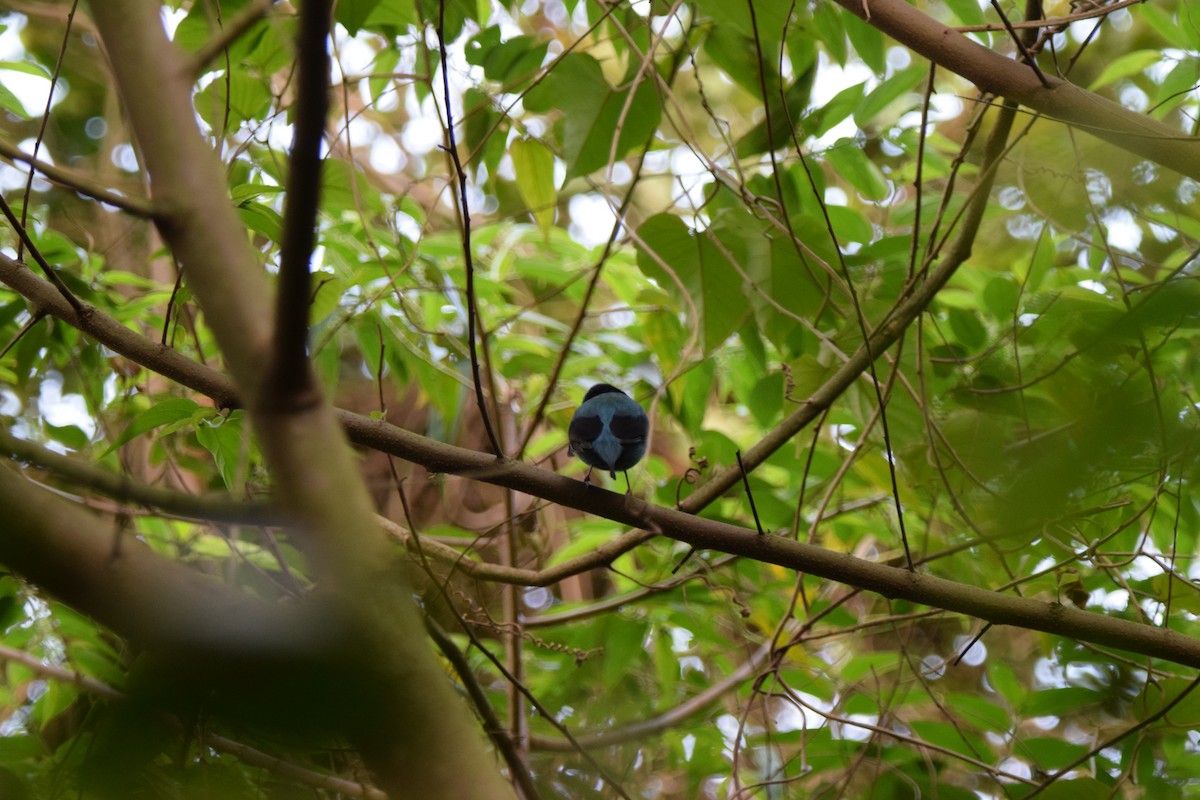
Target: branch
column 237, row 26
column 411, row 729
column 215, row 507
column 121, row 583
column 468, row 255
column 1060, row 100
column 19, row 229
column 880, row 339
column 166, row 361
column 77, row 183
column 659, row 722
column 242, row 752
column 291, row 376
column 887, row 581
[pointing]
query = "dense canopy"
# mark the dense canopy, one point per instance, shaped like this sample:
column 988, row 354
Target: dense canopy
column 297, row 301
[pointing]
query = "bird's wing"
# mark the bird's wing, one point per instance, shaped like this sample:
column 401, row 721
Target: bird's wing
column 629, row 428
column 583, row 431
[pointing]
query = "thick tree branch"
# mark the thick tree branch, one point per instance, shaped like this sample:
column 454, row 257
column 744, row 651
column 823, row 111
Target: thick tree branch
column 216, row 508
column 118, row 581
column 413, row 732
column 888, row 581
column 244, row 753
column 291, row 376
column 1061, row 100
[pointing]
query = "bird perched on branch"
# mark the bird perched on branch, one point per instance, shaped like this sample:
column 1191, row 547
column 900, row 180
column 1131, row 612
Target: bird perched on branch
column 608, row 431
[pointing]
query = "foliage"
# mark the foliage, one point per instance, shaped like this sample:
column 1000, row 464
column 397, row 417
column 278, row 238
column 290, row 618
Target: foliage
column 784, row 179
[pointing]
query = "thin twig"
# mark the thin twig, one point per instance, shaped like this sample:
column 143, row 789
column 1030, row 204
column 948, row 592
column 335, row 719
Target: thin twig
column 468, row 262
column 216, row 507
column 34, row 319
column 1050, row 22
column 37, row 142
column 1140, row 725
column 749, row 494
column 51, row 275
column 860, row 317
column 491, row 723
column 69, row 179
column 237, row 26
column 1025, row 54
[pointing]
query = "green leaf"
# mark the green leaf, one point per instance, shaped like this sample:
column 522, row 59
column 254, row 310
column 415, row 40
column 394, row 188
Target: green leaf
column 533, row 164
column 1000, row 297
column 666, row 667
column 952, row 738
column 27, row 67
column 734, row 52
column 867, row 40
column 1079, row 789
column 174, row 410
column 10, row 103
column 967, row 11
column 889, row 92
column 770, row 16
column 70, row 435
column 1056, row 702
column 979, row 712
column 1050, row 754
column 691, row 264
column 829, row 22
column 622, row 649
column 512, row 63
column 785, row 114
column 354, row 14
column 226, row 104
column 967, row 328
column 593, row 112
column 1004, row 680
column 1176, row 88
column 1125, row 65
column 262, row 219
column 1173, row 30
column 393, row 14
column 224, row 438
column 848, row 158
column 583, row 540
column 825, row 117
column 19, row 748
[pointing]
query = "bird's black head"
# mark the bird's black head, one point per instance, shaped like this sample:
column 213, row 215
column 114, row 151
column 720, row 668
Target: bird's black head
column 599, row 389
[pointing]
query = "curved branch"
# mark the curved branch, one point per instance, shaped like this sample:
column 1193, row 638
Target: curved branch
column 216, row 507
column 242, row 752
column 1059, row 100
column 166, row 361
column 141, row 595
column 888, row 581
column 69, row 179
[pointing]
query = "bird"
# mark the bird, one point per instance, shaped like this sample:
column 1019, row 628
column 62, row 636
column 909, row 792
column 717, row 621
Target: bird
column 608, row 431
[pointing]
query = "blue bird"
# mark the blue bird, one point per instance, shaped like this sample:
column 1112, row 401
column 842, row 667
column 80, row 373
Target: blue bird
column 608, row 431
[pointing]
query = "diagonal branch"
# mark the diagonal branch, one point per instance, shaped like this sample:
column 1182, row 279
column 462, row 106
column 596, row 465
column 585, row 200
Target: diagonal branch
column 1060, row 100
column 885, row 580
column 146, row 597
